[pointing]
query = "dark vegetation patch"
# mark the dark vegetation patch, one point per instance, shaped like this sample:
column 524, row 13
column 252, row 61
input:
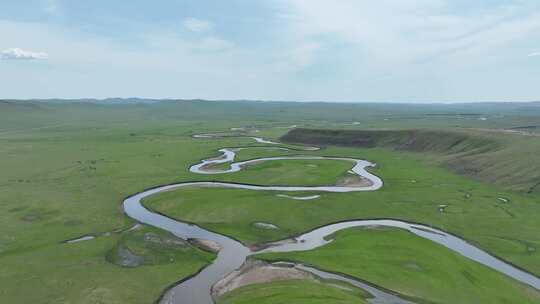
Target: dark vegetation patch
column 470, row 277
column 525, row 128
column 73, row 222
column 534, row 188
column 17, row 209
column 126, row 258
column 31, row 217
column 147, row 246
column 39, row 214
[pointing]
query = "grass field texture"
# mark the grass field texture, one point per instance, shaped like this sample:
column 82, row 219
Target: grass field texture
column 67, row 166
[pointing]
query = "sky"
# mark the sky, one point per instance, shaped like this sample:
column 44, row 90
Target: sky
column 302, row 50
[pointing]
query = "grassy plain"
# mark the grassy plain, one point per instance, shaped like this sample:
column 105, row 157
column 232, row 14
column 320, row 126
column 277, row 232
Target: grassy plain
column 66, row 166
column 412, row 266
column 413, row 191
column 81, row 273
column 65, row 171
column 292, row 172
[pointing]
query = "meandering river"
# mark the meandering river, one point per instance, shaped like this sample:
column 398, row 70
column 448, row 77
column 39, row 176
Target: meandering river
column 197, row 289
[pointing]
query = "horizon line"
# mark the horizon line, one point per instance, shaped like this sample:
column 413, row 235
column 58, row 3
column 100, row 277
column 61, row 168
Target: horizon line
column 142, row 99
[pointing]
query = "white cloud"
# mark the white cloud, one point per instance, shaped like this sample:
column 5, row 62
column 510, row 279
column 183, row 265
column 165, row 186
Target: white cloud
column 20, row 54
column 186, row 66
column 197, row 25
column 393, row 33
column 534, row 54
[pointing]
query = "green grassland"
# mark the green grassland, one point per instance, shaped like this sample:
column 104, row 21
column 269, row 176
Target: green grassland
column 81, row 273
column 66, row 166
column 495, row 157
column 291, row 172
column 68, row 180
column 412, row 266
column 413, row 191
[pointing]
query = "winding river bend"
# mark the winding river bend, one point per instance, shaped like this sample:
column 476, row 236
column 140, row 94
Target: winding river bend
column 233, row 254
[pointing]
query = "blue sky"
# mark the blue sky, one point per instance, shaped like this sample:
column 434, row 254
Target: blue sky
column 347, row 50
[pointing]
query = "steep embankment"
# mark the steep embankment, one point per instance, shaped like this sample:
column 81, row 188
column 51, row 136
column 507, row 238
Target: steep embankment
column 509, row 160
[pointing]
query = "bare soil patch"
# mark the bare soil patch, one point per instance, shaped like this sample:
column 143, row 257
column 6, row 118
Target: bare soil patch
column 254, row 272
